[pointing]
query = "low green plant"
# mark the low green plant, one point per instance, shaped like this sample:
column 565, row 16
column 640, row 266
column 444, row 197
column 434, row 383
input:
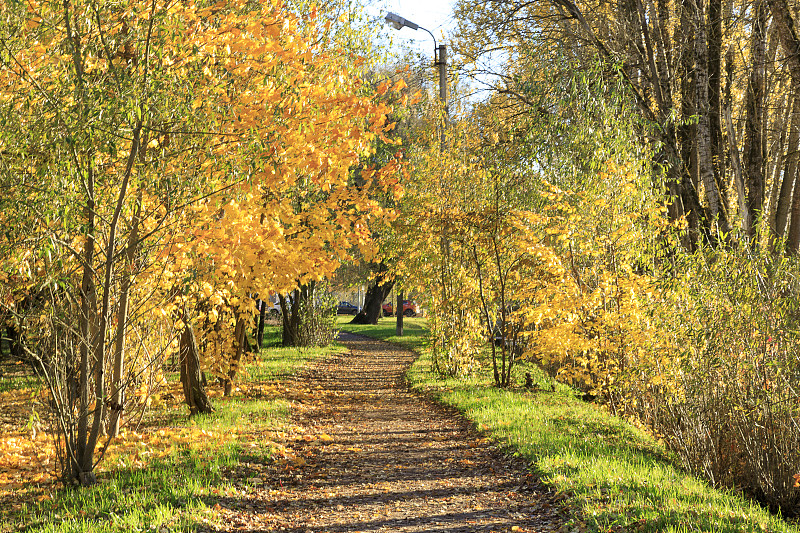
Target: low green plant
column 725, row 393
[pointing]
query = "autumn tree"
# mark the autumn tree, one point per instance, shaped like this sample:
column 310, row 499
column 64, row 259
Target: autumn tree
column 85, row 99
column 133, row 134
column 381, row 279
column 659, row 312
column 708, row 79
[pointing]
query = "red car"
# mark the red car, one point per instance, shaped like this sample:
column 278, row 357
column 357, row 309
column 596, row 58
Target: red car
column 410, row 308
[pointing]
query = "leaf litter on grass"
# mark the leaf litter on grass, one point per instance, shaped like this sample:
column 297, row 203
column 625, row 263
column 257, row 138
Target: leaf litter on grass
column 29, row 468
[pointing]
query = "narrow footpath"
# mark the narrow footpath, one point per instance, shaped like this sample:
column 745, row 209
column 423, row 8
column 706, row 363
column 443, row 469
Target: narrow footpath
column 394, row 461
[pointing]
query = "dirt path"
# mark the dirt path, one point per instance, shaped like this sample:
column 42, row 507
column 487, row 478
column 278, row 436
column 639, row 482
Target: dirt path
column 396, row 462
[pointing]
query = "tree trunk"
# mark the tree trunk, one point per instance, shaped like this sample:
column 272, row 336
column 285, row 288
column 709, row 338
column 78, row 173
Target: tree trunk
column 239, row 339
column 376, row 294
column 262, row 317
column 744, row 208
column 290, row 318
column 704, row 142
column 76, row 443
column 789, row 170
column 15, row 343
column 777, row 161
column 715, row 97
column 117, row 386
column 793, row 239
column 687, row 131
column 664, row 49
column 399, row 312
column 784, row 25
column 753, row 165
column 194, row 391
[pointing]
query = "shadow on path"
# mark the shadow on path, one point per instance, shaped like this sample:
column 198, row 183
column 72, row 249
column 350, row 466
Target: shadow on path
column 397, row 462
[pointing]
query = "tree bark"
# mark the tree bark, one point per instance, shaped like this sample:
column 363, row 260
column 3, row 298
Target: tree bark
column 744, row 208
column 778, row 160
column 789, row 170
column 704, row 142
column 290, row 318
column 399, row 312
column 687, row 131
column 239, row 339
column 117, row 386
column 784, row 25
column 754, row 142
column 262, row 317
column 87, row 319
column 715, row 97
column 194, row 391
column 377, row 292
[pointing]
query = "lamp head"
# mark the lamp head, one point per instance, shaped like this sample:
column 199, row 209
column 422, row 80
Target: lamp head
column 399, row 22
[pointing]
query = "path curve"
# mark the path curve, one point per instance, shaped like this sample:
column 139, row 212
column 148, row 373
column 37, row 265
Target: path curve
column 396, row 461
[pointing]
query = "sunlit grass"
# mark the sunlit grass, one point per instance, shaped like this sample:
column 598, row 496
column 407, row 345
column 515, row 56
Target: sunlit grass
column 175, row 494
column 615, row 476
column 415, row 330
column 179, row 489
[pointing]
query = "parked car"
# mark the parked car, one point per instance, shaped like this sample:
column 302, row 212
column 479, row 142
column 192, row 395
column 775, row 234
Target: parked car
column 410, row 308
column 346, row 308
column 272, row 308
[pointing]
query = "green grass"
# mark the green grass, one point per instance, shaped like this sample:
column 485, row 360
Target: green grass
column 614, row 475
column 179, row 491
column 175, row 494
column 415, row 330
column 15, row 375
column 276, row 362
column 17, row 381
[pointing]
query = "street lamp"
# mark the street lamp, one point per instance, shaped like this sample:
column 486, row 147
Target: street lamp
column 439, row 54
column 440, row 61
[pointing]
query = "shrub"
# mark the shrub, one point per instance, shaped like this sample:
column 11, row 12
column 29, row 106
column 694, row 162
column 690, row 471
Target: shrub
column 724, row 391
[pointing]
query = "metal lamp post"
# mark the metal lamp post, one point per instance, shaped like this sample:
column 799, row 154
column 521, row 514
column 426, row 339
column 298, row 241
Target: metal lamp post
column 440, row 61
column 439, row 55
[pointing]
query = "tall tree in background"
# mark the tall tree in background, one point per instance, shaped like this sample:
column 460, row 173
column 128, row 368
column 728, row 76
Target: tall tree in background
column 691, row 66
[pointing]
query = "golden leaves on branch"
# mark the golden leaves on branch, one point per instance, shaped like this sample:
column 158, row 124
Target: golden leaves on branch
column 250, row 125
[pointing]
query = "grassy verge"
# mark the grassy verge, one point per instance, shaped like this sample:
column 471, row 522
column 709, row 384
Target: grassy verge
column 170, row 473
column 415, row 330
column 615, row 476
